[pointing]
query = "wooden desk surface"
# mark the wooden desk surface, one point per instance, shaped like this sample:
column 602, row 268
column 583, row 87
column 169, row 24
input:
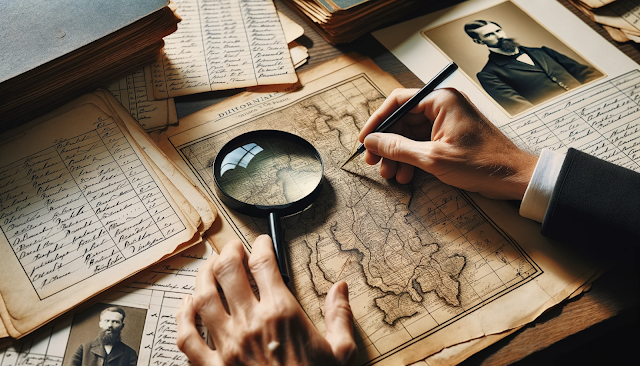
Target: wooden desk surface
column 600, row 324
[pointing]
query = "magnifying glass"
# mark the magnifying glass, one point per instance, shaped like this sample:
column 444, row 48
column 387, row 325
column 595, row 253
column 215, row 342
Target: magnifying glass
column 272, row 174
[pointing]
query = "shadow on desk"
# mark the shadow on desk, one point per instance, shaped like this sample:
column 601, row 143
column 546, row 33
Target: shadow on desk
column 611, row 305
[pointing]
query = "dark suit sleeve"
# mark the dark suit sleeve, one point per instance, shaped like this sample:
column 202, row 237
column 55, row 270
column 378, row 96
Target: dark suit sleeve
column 582, row 73
column 595, row 206
column 76, row 359
column 502, row 93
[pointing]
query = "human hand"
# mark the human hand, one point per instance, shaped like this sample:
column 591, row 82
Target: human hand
column 447, row 136
column 271, row 331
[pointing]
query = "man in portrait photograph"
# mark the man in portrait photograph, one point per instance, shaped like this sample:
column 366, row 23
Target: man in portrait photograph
column 519, row 77
column 106, row 349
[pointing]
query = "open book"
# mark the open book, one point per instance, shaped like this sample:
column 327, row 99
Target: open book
column 86, row 201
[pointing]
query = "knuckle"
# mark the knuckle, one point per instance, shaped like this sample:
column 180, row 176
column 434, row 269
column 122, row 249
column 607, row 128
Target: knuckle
column 183, row 340
column 260, row 262
column 200, row 300
column 391, row 147
column 449, row 95
column 343, row 309
column 396, row 92
column 226, row 265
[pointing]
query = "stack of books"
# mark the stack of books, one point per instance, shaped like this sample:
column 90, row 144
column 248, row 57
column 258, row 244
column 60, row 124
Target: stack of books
column 55, row 50
column 342, row 21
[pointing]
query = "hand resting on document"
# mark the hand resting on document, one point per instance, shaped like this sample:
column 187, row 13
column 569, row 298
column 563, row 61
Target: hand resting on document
column 270, row 331
column 447, row 136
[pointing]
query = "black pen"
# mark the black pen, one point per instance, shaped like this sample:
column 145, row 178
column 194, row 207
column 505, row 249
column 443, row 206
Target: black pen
column 405, row 108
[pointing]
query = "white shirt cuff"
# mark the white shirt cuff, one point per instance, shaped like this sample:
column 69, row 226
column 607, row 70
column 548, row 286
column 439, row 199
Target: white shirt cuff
column 538, row 194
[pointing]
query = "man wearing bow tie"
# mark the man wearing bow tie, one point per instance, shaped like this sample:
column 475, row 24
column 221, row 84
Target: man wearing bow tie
column 520, row 77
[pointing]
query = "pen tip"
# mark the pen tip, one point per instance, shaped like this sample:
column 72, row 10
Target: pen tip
column 345, row 163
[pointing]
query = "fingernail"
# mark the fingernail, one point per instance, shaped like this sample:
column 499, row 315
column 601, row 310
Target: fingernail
column 185, row 300
column 344, row 290
column 371, row 143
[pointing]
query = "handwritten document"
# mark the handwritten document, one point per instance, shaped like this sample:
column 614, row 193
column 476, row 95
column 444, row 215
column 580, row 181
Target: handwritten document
column 428, row 266
column 135, row 93
column 223, row 44
column 603, row 121
column 158, row 290
column 81, row 208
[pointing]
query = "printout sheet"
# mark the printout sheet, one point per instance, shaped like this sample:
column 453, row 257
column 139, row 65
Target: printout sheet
column 223, row 44
column 428, row 266
column 150, row 302
column 600, row 117
column 135, row 93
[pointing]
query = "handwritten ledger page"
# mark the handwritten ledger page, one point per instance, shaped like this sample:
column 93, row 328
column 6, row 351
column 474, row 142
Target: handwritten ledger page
column 135, row 93
column 428, row 266
column 223, row 44
column 81, row 209
column 150, row 301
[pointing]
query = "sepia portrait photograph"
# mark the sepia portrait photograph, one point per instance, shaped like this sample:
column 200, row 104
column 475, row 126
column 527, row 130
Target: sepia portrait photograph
column 511, row 57
column 105, row 334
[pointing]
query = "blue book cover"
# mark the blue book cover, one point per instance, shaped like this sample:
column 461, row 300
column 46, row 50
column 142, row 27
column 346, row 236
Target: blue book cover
column 335, row 5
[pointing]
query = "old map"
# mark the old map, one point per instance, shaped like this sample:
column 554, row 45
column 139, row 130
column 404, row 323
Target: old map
column 417, row 258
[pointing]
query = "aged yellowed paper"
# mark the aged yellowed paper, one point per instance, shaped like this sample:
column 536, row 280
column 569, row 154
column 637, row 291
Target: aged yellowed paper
column 291, row 29
column 428, row 266
column 150, row 301
column 299, row 54
column 201, row 203
column 223, row 45
column 82, row 208
column 135, row 93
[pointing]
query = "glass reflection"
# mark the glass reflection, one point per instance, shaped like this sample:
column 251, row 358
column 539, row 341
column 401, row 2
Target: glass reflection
column 239, row 157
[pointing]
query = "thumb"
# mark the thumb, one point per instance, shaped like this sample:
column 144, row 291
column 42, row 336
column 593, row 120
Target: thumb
column 339, row 323
column 395, row 147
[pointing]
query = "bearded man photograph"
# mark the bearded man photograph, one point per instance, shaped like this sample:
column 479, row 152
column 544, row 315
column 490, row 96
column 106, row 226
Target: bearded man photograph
column 106, row 349
column 519, row 77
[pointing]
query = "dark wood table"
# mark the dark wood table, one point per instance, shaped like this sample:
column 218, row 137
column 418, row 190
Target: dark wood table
column 599, row 326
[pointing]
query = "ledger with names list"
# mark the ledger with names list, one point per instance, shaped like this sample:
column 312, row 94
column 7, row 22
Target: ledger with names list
column 603, row 121
column 223, row 44
column 81, row 206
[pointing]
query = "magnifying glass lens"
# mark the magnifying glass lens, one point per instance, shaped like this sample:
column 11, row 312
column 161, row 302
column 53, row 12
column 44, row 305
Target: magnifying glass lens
column 268, row 171
column 269, row 174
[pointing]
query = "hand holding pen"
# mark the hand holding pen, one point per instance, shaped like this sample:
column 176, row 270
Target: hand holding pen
column 444, row 134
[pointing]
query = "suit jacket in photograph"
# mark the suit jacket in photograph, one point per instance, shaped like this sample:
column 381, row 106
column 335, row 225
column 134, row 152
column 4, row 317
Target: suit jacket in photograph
column 518, row 86
column 93, row 354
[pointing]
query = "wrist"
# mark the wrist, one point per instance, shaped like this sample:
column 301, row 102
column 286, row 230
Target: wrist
column 527, row 164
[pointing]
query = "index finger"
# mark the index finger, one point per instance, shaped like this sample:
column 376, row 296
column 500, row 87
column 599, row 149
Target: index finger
column 397, row 98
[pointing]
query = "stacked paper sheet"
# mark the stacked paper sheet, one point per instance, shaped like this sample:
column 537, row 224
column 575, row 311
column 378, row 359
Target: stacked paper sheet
column 87, row 201
column 620, row 18
column 342, row 21
column 135, row 91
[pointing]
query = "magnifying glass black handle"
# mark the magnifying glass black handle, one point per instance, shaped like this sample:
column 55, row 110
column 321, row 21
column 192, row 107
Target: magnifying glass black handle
column 275, row 231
